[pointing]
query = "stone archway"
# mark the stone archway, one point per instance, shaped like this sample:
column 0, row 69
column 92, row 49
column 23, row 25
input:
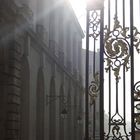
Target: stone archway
column 40, row 106
column 52, row 111
column 61, row 107
column 25, row 99
column 69, row 119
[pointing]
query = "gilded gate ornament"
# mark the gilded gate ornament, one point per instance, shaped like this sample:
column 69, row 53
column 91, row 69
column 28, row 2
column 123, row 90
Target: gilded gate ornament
column 116, row 47
column 117, row 44
column 94, row 32
column 94, row 88
column 137, row 105
column 136, row 37
column 94, row 25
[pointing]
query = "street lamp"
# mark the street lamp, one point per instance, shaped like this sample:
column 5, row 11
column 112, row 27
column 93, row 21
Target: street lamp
column 52, row 98
column 64, row 113
column 79, row 119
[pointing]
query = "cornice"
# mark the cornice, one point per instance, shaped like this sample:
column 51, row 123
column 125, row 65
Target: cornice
column 13, row 14
column 10, row 12
column 51, row 55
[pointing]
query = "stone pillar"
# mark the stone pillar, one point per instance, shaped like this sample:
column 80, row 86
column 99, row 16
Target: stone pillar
column 10, row 83
column 10, row 69
column 13, row 93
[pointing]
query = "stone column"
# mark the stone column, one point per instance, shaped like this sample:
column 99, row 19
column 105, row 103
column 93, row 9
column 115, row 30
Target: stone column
column 11, row 31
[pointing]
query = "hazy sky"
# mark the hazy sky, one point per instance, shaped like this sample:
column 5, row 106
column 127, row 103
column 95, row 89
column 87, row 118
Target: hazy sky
column 79, row 8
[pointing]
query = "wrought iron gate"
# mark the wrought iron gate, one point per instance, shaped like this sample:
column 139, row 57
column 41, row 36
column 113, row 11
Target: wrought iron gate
column 113, row 28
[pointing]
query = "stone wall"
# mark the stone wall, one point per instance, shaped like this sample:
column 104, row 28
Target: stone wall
column 27, row 65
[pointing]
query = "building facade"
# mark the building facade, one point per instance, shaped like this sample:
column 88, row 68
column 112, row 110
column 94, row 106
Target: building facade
column 40, row 71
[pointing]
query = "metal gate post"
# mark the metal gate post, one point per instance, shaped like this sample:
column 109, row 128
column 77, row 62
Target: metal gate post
column 87, row 79
column 102, row 75
column 132, row 70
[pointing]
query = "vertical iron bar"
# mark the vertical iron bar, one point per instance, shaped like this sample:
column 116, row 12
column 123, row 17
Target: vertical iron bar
column 124, row 91
column 132, row 69
column 124, row 76
column 94, row 60
column 109, row 71
column 116, row 8
column 87, row 79
column 94, row 106
column 102, row 75
column 123, row 14
column 94, row 120
column 109, row 97
column 124, row 87
column 124, row 95
column 117, row 95
column 109, row 14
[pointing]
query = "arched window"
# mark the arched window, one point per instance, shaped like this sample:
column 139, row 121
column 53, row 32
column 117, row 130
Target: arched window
column 40, row 107
column 52, row 111
column 25, row 100
column 75, row 113
column 69, row 119
column 61, row 107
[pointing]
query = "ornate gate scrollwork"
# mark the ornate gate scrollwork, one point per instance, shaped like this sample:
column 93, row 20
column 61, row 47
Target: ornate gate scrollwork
column 137, row 105
column 94, row 32
column 116, row 47
column 115, row 32
column 117, row 52
column 94, row 24
column 94, row 88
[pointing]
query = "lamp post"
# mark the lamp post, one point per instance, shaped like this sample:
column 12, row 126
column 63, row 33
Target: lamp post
column 53, row 98
column 79, row 119
column 92, row 6
column 64, row 113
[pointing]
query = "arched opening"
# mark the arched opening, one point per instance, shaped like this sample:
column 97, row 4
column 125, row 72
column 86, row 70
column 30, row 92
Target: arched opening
column 75, row 113
column 40, row 107
column 25, row 99
column 52, row 111
column 61, row 107
column 69, row 119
